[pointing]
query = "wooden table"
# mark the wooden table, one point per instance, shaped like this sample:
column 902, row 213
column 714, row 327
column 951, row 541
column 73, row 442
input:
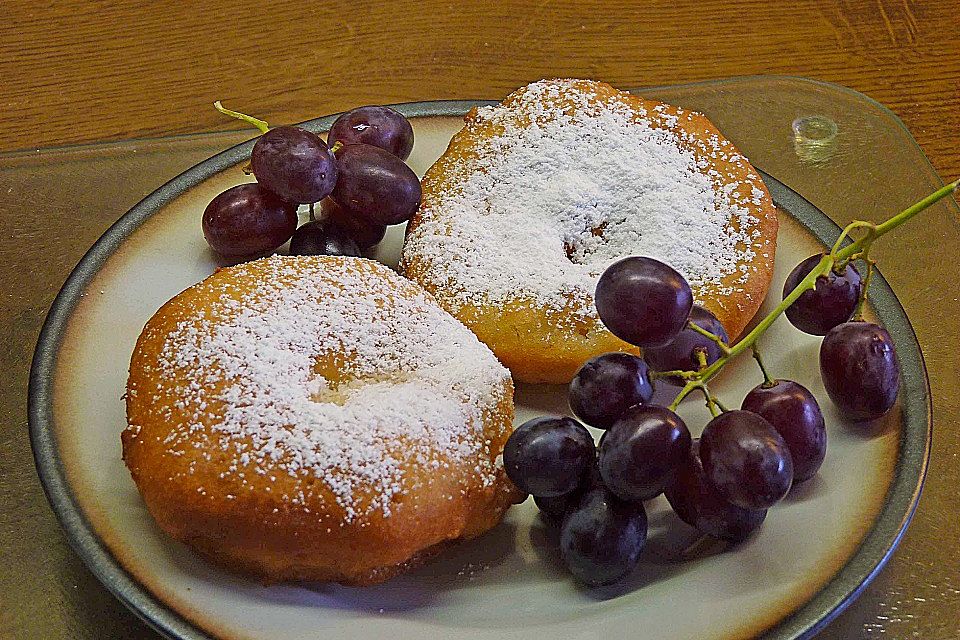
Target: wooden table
column 75, row 72
column 80, row 71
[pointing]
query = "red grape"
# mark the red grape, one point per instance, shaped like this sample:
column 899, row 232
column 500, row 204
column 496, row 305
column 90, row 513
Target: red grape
column 601, row 537
column 547, row 456
column 378, row 126
column 858, row 364
column 831, row 302
column 556, row 507
column 699, row 504
column 608, row 385
column 295, row 164
column 322, row 239
column 643, row 301
column 680, row 354
column 641, row 450
column 746, row 459
column 375, row 185
column 793, row 411
column 247, row 221
column 364, row 233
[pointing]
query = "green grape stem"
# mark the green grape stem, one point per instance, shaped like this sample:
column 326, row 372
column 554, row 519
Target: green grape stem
column 720, row 343
column 259, row 124
column 711, row 404
column 768, row 381
column 857, row 249
column 684, row 392
column 858, row 312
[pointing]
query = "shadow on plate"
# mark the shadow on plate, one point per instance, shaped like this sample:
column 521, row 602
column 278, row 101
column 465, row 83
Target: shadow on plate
column 542, row 398
column 806, row 490
column 454, row 569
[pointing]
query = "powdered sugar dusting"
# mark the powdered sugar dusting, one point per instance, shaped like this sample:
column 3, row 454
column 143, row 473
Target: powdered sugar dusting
column 544, row 207
column 325, row 368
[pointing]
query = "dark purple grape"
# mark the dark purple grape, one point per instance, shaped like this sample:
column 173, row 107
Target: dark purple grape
column 601, row 537
column 700, row 505
column 793, row 411
column 547, row 456
column 364, row 233
column 641, row 450
column 378, row 126
column 608, row 385
column 746, row 459
column 831, row 302
column 680, row 354
column 246, row 221
column 860, row 371
column 556, row 507
column 322, row 239
column 375, row 185
column 643, row 301
column 295, row 164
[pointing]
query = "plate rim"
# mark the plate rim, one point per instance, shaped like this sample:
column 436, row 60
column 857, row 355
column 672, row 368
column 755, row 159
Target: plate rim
column 844, row 586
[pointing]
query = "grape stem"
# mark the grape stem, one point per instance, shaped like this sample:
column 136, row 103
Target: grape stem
column 846, row 231
column 768, row 381
column 687, row 388
column 711, row 404
column 837, row 256
column 720, row 343
column 701, row 358
column 686, row 374
column 858, row 311
column 259, row 124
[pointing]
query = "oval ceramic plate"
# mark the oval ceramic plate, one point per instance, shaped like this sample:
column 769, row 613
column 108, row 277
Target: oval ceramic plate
column 813, row 555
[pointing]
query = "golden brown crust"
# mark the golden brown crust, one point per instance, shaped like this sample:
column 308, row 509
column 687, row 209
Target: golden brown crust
column 201, row 494
column 532, row 344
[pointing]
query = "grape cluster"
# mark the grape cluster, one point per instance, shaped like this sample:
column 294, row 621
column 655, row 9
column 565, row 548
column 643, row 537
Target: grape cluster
column 360, row 180
column 745, row 461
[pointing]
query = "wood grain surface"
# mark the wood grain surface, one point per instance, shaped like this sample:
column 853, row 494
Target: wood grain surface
column 76, row 71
